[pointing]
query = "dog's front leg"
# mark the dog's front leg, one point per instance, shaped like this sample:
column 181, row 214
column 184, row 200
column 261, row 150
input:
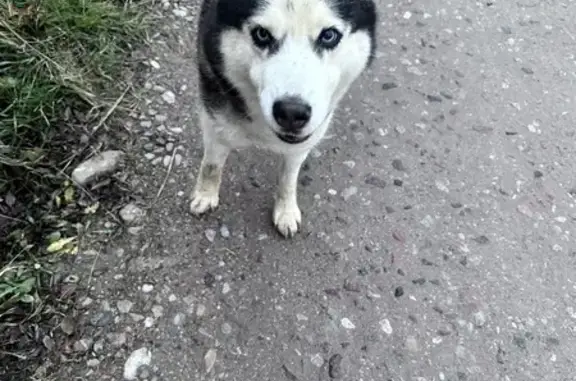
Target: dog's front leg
column 287, row 216
column 206, row 192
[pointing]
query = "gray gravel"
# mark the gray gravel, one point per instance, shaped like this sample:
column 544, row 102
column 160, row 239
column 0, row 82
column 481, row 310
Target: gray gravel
column 439, row 220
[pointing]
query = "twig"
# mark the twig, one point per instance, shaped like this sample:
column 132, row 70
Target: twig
column 110, row 110
column 166, row 177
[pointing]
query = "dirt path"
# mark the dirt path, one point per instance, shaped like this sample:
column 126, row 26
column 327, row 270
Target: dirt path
column 439, row 220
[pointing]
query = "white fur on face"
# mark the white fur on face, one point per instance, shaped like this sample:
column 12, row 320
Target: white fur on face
column 296, row 69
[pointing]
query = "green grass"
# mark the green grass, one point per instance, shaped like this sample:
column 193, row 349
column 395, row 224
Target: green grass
column 63, row 66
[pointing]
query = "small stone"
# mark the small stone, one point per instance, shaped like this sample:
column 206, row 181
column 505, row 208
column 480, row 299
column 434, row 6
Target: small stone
column 116, row 339
column 200, row 310
column 48, row 342
column 398, row 165
column 412, row 344
column 179, row 319
column 224, row 231
column 317, row 360
column 479, row 319
column 210, row 235
column 538, row 174
column 209, row 280
column 346, row 323
column 149, row 322
column 482, row 240
column 335, row 366
column 225, row 288
column 527, row 70
column 349, row 192
column 157, row 311
column 389, row 86
column 124, row 306
column 210, row 360
column 375, row 181
column 146, row 288
column 97, row 166
column 131, row 213
column 226, row 329
column 67, row 326
column 101, row 319
column 399, row 291
column 169, row 97
column 169, row 147
column 92, row 363
column 149, row 156
column 385, row 326
column 82, row 345
column 398, row 182
column 166, row 161
column 434, row 98
column 138, row 358
column 180, row 12
column 178, row 159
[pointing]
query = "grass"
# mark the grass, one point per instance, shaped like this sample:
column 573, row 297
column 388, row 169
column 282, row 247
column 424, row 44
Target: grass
column 63, row 75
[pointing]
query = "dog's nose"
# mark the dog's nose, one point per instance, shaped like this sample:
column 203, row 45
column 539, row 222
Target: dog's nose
column 291, row 113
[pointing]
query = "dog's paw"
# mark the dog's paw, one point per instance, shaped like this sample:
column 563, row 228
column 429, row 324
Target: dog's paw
column 203, row 202
column 287, row 218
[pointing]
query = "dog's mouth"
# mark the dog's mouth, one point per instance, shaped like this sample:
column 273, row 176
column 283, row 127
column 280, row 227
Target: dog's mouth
column 292, row 139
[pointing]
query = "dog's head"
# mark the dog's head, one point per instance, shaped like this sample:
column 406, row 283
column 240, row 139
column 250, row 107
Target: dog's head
column 294, row 59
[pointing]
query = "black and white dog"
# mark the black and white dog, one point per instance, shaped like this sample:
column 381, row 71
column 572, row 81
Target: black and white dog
column 271, row 74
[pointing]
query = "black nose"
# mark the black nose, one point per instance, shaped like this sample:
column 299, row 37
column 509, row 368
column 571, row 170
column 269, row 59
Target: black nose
column 291, row 113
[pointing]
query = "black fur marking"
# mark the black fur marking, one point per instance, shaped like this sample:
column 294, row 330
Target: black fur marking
column 362, row 15
column 216, row 16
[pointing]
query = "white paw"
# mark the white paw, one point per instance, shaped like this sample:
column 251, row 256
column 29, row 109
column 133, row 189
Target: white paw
column 287, row 218
column 203, row 202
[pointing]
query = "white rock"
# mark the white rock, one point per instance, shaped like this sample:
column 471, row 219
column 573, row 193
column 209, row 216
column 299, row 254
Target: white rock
column 479, row 319
column 138, row 358
column 210, row 360
column 131, row 213
column 146, row 288
column 346, row 323
column 124, row 306
column 386, row 326
column 169, row 97
column 317, row 360
column 210, row 234
column 97, row 166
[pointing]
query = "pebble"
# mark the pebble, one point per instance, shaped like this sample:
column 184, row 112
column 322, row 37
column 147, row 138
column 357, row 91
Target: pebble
column 157, row 311
column 169, row 97
column 117, row 339
column 131, row 213
column 224, row 231
column 412, row 344
column 346, row 323
column 210, row 359
column 375, row 181
column 226, row 329
column 93, row 363
column 148, row 322
column 398, row 165
column 210, row 234
column 349, row 192
column 160, row 118
column 169, row 147
column 166, row 160
column 146, row 288
column 179, row 319
column 225, row 288
column 317, row 360
column 335, row 366
column 386, row 326
column 177, row 159
column 82, row 345
column 138, row 358
column 99, row 165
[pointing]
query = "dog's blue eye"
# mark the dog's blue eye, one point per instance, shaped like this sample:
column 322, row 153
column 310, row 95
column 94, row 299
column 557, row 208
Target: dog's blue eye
column 261, row 37
column 329, row 38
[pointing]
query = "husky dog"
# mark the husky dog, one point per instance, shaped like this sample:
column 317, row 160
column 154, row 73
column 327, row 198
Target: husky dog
column 271, row 74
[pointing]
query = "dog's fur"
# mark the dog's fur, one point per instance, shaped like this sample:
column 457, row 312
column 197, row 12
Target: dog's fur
column 244, row 70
